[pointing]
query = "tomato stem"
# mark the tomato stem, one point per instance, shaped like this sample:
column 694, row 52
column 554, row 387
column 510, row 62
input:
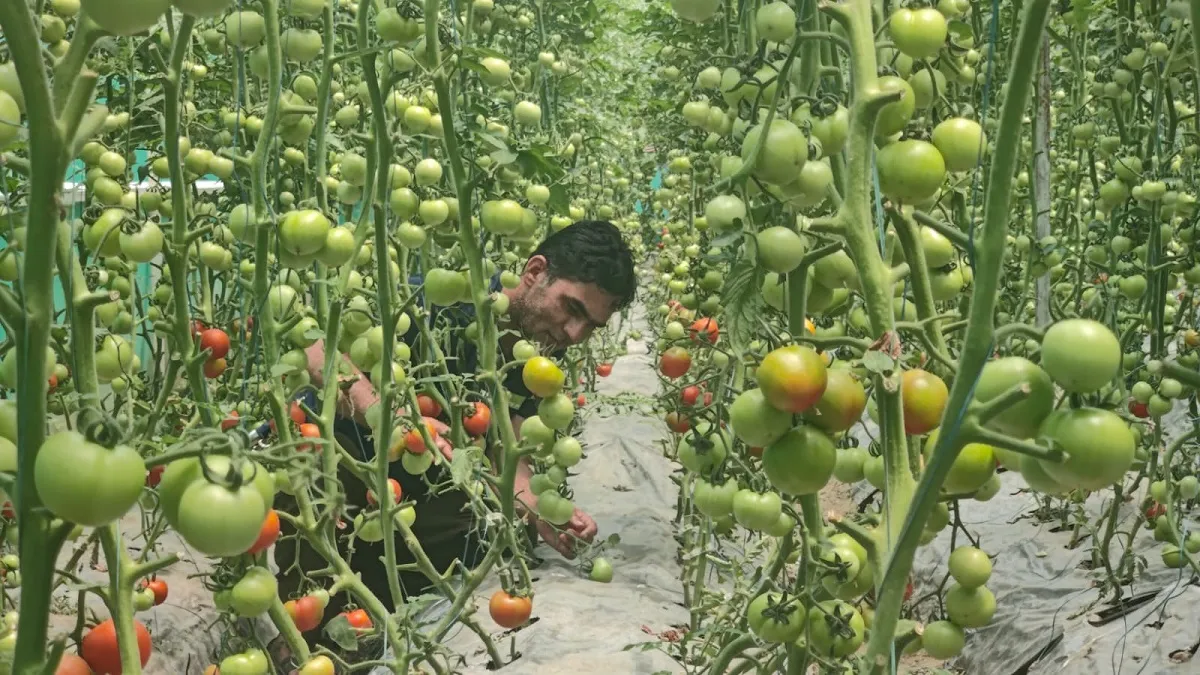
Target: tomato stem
column 979, row 336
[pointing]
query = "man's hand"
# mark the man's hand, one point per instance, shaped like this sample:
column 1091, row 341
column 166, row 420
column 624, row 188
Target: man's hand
column 442, row 443
column 581, row 527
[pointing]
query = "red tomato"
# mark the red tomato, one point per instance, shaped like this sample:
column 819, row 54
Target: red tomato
column 230, row 421
column 675, row 362
column 216, row 340
column 689, row 395
column 308, row 430
column 478, row 419
column 708, row 398
column 705, row 330
column 604, row 369
column 1139, row 409
column 428, row 406
column 268, row 534
column 396, row 493
column 99, row 647
column 197, row 327
column 154, row 475
column 52, row 383
column 580, row 400
column 1154, row 511
column 297, row 413
column 213, row 368
column 358, row 618
column 159, row 587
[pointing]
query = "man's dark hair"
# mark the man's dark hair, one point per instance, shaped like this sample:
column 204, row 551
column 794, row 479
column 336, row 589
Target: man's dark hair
column 592, row 252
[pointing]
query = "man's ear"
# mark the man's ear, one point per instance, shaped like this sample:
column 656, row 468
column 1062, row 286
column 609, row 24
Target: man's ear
column 535, row 270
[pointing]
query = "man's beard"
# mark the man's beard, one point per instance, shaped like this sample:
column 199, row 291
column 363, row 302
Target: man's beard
column 522, row 317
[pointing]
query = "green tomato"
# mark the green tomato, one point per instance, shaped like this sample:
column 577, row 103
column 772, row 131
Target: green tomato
column 601, row 571
column 253, row 594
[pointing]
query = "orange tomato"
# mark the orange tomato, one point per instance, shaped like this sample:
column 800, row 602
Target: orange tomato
column 509, row 611
column 358, row 618
column 268, row 534
column 308, row 430
column 99, row 647
column 72, row 664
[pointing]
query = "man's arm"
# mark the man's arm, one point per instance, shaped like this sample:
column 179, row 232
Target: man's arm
column 356, row 394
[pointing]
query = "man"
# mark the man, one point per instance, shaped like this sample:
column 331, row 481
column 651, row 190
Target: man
column 574, row 281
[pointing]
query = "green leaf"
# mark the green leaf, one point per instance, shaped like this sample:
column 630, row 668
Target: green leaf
column 281, row 369
column 503, row 157
column 742, row 299
column 878, row 362
column 339, row 630
column 462, row 465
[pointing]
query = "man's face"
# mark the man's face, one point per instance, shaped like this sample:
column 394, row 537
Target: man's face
column 557, row 313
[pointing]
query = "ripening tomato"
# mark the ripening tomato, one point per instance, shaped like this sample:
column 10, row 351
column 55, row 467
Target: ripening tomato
column 428, row 406
column 318, row 665
column 542, row 376
column 306, row 612
column 214, row 368
column 393, row 485
column 216, row 340
column 704, row 330
column 414, row 442
column 792, row 378
column 924, row 399
column 678, row 423
column 689, row 395
column 230, row 421
column 159, row 588
column 800, row 462
column 99, row 647
column 509, row 611
column 358, row 619
column 478, row 419
column 72, row 664
column 267, row 535
column 675, row 362
column 842, row 403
